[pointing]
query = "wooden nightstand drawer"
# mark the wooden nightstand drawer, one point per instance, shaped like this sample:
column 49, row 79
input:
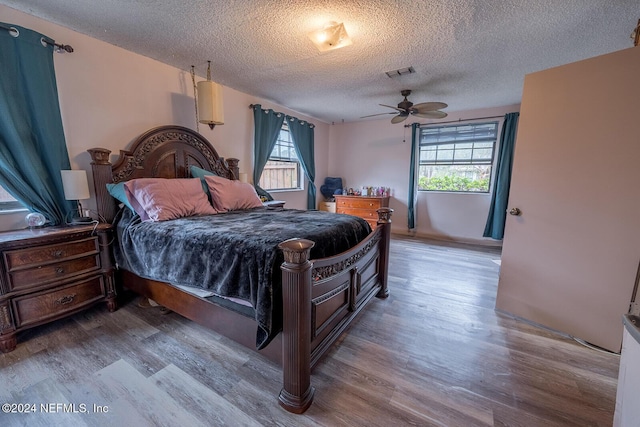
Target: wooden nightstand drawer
column 38, row 255
column 327, row 206
column 30, row 277
column 39, row 307
column 37, row 265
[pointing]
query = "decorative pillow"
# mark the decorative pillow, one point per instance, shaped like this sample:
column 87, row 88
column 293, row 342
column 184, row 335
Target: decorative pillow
column 120, row 194
column 197, row 172
column 160, row 199
column 228, row 195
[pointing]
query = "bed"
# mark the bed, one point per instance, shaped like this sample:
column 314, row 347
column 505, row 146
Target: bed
column 319, row 297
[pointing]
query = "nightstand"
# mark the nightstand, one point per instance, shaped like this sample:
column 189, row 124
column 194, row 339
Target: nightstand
column 50, row 273
column 327, row 206
column 272, row 204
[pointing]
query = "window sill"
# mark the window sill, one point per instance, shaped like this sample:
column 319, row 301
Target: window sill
column 292, row 190
column 453, row 192
column 13, row 211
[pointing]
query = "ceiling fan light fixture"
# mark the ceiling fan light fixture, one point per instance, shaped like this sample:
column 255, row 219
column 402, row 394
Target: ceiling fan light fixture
column 332, row 36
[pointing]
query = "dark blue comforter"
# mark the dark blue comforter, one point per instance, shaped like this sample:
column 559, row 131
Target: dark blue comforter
column 233, row 254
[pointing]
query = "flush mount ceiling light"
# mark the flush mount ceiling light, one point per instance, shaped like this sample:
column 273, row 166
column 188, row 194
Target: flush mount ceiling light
column 331, row 36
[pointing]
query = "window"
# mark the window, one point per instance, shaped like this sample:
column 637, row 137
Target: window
column 7, row 202
column 457, row 158
column 282, row 171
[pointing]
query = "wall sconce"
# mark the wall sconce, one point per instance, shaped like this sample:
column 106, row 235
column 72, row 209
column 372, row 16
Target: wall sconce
column 76, row 187
column 332, row 36
column 209, row 108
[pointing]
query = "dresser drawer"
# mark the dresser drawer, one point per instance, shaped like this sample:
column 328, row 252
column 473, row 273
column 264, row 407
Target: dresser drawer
column 30, row 277
column 36, row 265
column 35, row 256
column 364, row 207
column 362, row 213
column 39, row 307
column 360, row 203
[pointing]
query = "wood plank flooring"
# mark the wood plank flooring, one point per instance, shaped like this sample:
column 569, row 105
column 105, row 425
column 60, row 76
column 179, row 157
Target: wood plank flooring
column 435, row 353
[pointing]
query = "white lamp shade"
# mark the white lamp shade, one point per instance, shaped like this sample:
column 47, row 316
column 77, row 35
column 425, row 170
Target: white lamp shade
column 75, row 184
column 210, row 108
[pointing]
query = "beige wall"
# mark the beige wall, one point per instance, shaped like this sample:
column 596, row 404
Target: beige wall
column 377, row 153
column 109, row 95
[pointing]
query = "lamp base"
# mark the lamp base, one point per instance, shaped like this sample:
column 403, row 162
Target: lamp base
column 81, row 220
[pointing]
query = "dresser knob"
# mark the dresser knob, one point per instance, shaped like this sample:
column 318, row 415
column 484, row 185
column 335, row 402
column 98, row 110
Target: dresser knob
column 67, row 299
column 57, row 254
column 59, row 270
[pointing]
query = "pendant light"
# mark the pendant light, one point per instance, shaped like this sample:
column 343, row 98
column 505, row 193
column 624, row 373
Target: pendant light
column 209, row 107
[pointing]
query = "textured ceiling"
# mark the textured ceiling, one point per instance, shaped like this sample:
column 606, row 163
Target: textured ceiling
column 468, row 53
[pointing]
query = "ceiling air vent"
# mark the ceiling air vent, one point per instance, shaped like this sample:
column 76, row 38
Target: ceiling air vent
column 400, row 72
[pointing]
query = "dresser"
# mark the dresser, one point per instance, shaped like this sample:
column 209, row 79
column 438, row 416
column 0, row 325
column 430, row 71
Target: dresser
column 363, row 206
column 52, row 272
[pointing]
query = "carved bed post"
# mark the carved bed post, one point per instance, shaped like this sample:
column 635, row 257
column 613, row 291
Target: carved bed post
column 105, row 236
column 297, row 394
column 233, row 165
column 384, row 222
column 102, row 175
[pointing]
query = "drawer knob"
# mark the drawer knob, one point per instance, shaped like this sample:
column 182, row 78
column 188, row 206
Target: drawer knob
column 67, row 299
column 57, row 254
column 59, row 270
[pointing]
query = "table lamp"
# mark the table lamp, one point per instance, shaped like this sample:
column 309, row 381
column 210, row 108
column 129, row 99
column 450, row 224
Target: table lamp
column 76, row 187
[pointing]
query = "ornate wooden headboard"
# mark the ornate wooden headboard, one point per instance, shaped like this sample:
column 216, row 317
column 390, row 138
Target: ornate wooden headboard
column 162, row 152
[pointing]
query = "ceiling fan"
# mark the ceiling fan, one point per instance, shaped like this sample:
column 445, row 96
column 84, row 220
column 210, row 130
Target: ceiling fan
column 427, row 110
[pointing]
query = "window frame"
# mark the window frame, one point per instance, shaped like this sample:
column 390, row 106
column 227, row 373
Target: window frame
column 10, row 206
column 288, row 144
column 454, row 143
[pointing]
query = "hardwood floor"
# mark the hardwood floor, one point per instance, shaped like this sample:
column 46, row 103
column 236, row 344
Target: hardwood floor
column 442, row 357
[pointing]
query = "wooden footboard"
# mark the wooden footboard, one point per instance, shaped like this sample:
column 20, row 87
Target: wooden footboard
column 320, row 300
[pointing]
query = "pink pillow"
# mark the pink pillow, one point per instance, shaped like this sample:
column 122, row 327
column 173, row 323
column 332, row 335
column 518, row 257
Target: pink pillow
column 160, row 199
column 228, row 195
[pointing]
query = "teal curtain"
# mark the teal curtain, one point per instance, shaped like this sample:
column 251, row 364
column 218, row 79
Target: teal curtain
column 500, row 195
column 302, row 136
column 412, row 176
column 267, row 125
column 33, row 150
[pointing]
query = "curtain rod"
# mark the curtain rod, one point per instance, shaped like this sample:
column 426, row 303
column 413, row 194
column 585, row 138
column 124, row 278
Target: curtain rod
column 60, row 47
column 456, row 121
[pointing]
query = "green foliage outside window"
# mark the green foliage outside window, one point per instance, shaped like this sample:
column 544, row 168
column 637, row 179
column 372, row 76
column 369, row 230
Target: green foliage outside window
column 453, row 183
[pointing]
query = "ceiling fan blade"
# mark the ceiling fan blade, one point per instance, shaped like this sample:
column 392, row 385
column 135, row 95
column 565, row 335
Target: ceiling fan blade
column 429, row 106
column 379, row 114
column 431, row 115
column 399, row 118
column 395, row 108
